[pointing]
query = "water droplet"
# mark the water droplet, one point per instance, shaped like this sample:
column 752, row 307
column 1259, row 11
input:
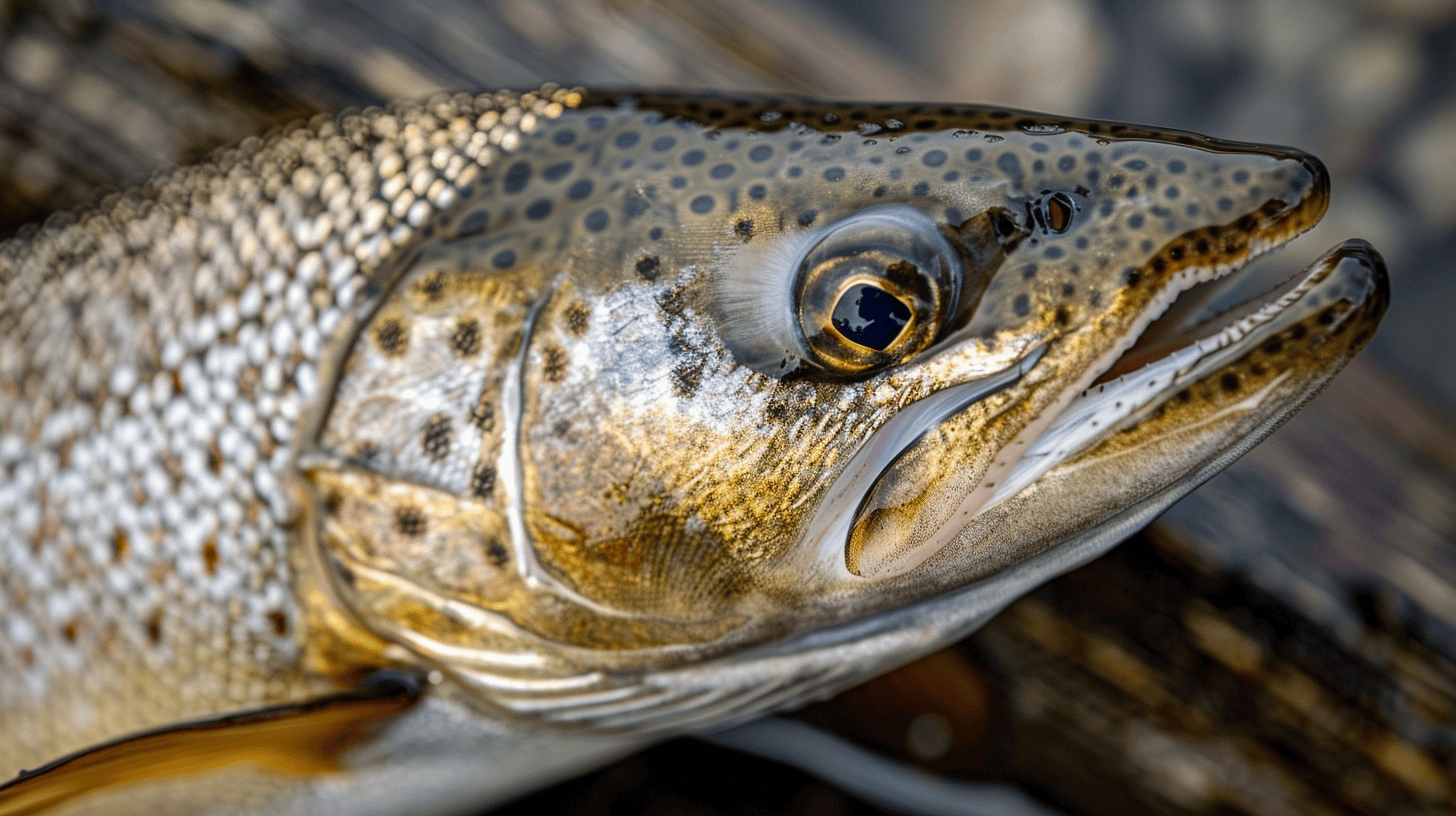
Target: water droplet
column 770, row 116
column 869, row 128
column 894, row 124
column 993, row 139
column 1042, row 129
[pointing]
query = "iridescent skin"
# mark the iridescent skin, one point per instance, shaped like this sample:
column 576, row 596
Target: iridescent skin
column 509, row 389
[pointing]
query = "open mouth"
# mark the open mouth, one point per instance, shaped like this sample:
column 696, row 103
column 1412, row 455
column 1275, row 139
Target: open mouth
column 1162, row 354
column 1191, row 346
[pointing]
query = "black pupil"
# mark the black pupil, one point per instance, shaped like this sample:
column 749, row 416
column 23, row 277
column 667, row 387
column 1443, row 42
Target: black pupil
column 870, row 316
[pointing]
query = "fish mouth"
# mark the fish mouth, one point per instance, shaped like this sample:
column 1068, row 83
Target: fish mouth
column 1151, row 363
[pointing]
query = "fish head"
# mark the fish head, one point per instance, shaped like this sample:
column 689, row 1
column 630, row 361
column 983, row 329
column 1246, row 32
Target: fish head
column 688, row 382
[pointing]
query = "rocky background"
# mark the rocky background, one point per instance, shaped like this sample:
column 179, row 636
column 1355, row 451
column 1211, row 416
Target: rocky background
column 1282, row 641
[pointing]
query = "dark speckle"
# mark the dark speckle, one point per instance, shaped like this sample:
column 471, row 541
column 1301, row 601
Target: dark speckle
column 539, row 209
column 649, row 267
column 721, row 171
column 391, row 337
column 662, row 143
column 482, row 415
column 1176, row 166
column 757, row 192
column 466, row 337
column 693, row 158
column 517, row 176
column 556, row 172
column 1021, row 305
column 921, row 189
column 655, row 234
column 702, row 204
column 409, row 521
column 1010, row 165
column 579, row 189
column 761, row 153
column 503, row 259
column 482, row 481
column 562, row 138
column 473, row 223
column 435, row 438
column 154, row 628
column 596, row 220
column 495, row 552
column 834, row 174
column 807, row 217
column 553, row 363
column 933, row 158
column 627, row 140
column 578, row 319
column 1229, row 381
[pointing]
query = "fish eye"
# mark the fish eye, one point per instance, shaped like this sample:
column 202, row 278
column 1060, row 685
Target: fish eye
column 875, row 289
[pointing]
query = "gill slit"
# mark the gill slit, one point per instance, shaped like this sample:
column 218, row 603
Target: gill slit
column 511, row 469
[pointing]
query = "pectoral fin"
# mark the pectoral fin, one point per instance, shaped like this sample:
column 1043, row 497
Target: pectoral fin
column 292, row 740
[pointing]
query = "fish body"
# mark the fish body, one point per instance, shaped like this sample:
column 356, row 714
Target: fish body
column 622, row 414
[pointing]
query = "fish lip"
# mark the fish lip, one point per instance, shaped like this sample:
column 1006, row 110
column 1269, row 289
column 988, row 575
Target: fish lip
column 1364, row 279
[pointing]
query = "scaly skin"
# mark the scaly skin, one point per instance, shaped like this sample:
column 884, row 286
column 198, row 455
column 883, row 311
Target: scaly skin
column 517, row 388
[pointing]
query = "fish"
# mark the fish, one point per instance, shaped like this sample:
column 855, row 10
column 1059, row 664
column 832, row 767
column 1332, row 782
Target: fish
column 589, row 418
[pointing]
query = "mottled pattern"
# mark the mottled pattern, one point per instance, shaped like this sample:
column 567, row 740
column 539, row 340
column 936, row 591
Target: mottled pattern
column 156, row 354
column 542, row 394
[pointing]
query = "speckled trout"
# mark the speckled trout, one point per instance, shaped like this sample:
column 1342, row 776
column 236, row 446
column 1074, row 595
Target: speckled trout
column 583, row 419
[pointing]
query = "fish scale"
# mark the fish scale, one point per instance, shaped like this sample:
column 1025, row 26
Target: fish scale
column 562, row 400
column 148, row 416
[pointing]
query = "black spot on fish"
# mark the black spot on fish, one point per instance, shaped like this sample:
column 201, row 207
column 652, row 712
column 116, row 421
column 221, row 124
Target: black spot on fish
column 557, row 172
column 554, row 361
column 807, row 217
column 834, row 174
column 921, row 189
column 627, row 140
column 579, row 189
column 503, row 259
column 518, row 176
column 435, row 439
column 466, row 337
column 702, row 204
column 482, row 416
column 649, row 267
column 409, row 521
column 482, row 481
column 761, row 153
column 578, row 319
column 1021, row 305
column 473, row 223
column 391, row 337
column 596, row 220
column 539, row 209
column 721, row 171
column 1010, row 165
column 933, row 158
column 692, row 158
column 757, row 192
column 562, row 138
column 1229, row 381
column 496, row 553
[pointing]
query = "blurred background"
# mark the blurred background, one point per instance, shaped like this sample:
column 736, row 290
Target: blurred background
column 1282, row 641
